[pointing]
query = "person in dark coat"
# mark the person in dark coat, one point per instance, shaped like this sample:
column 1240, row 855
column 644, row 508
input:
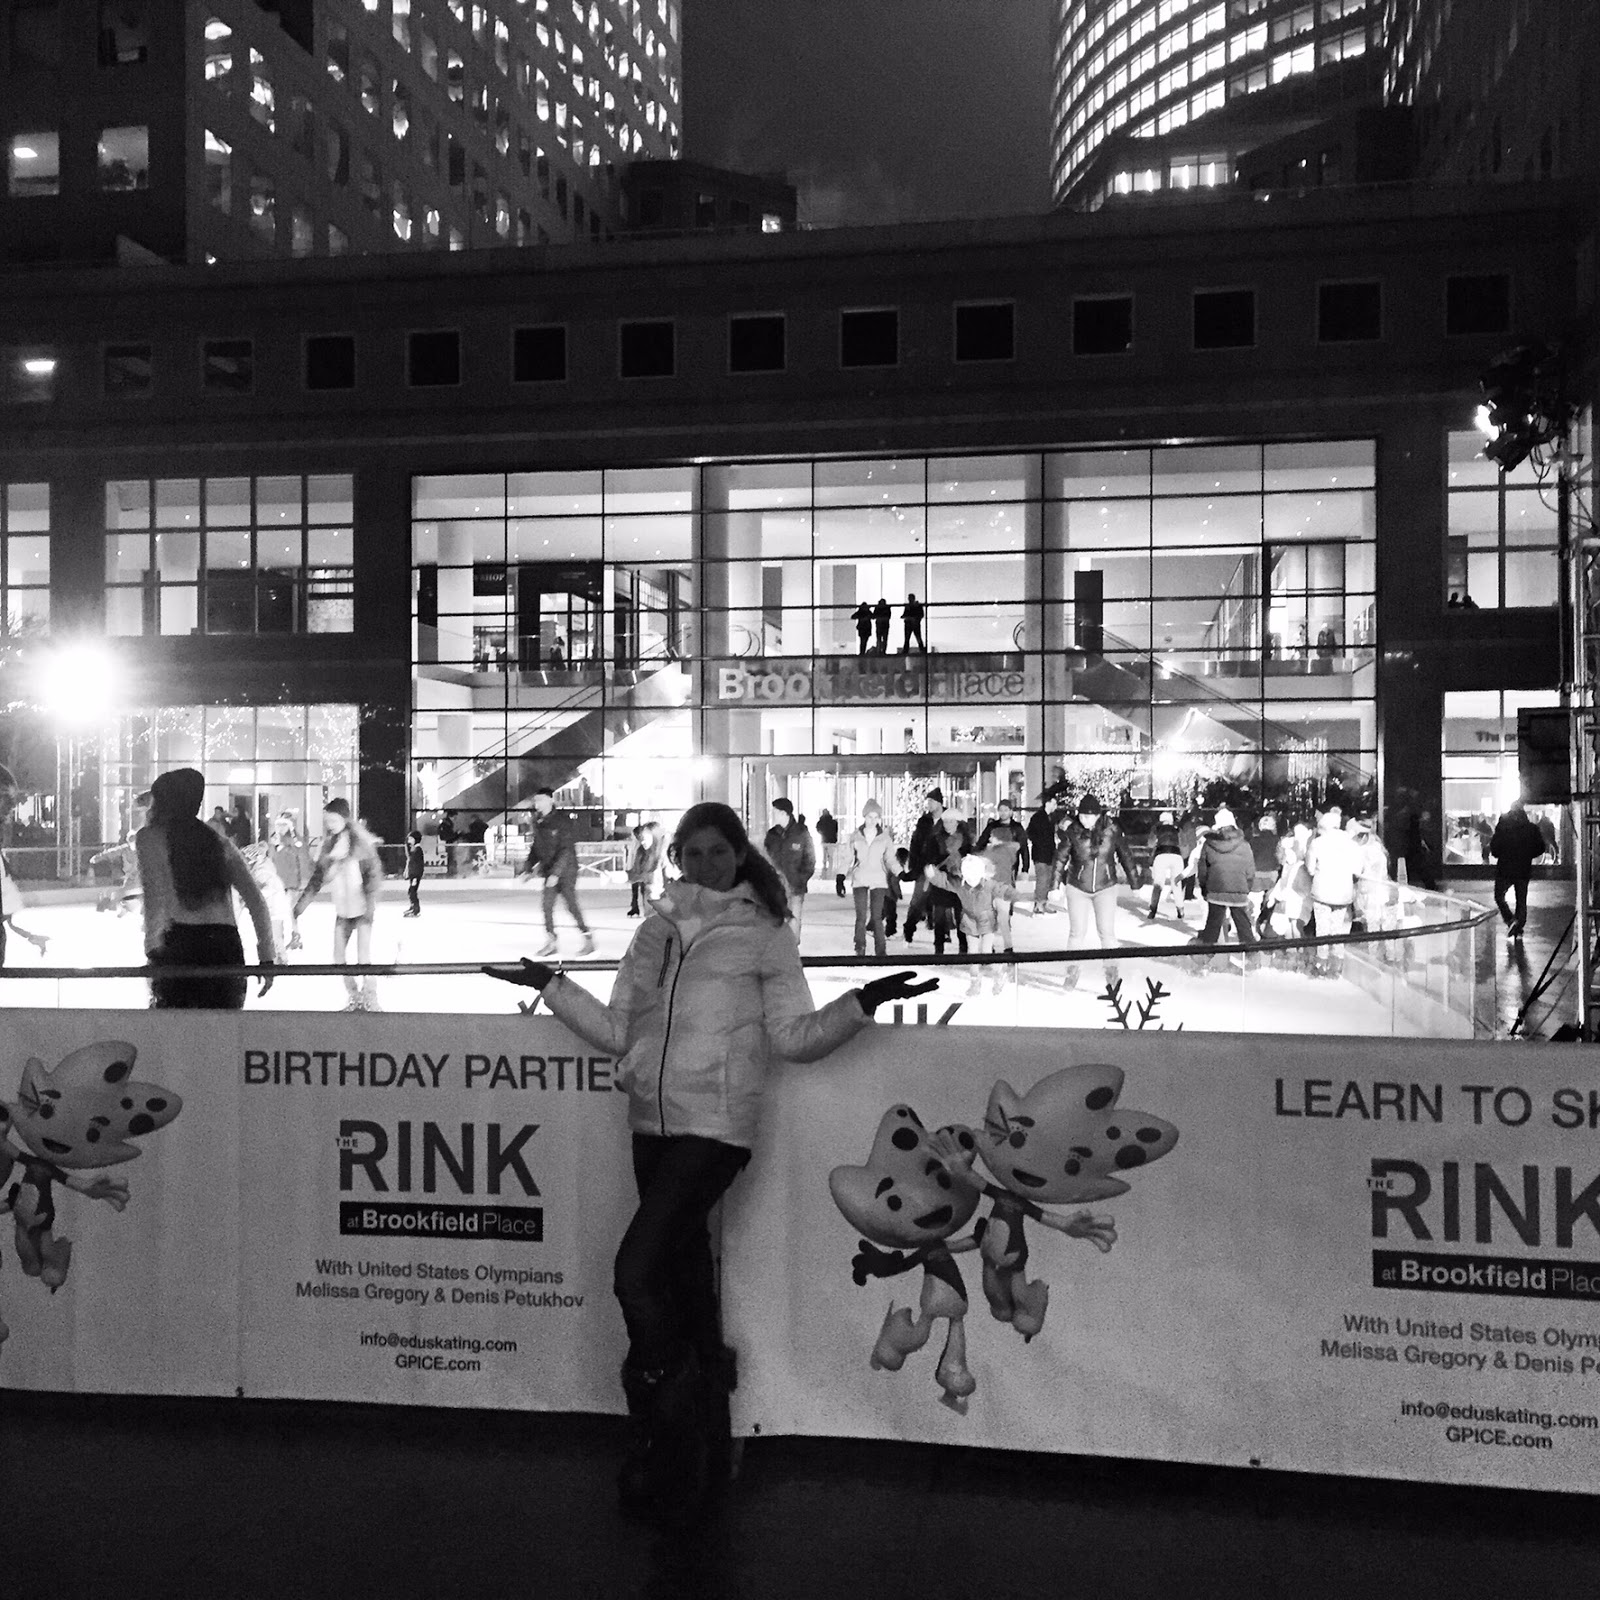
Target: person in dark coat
column 1005, row 832
column 882, row 616
column 415, row 867
column 1042, row 826
column 862, row 617
column 1226, row 874
column 913, row 616
column 828, row 834
column 1166, row 866
column 553, row 858
column 789, row 848
column 927, row 850
column 1264, row 844
column 1515, row 844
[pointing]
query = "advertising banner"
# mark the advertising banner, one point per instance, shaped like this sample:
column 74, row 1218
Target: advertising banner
column 1332, row 1255
column 347, row 1208
column 1326, row 1255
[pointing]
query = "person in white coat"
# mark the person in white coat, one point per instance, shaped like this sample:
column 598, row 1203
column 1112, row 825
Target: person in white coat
column 1334, row 864
column 709, row 994
column 868, row 861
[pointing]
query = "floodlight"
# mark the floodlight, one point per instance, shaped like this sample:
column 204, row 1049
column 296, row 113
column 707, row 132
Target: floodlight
column 76, row 683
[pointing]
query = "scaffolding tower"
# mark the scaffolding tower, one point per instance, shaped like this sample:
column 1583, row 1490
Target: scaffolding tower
column 1580, row 695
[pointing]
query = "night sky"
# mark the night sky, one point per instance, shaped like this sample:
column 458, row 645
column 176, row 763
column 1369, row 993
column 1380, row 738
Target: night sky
column 878, row 110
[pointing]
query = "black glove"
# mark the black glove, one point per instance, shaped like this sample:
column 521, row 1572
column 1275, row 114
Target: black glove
column 897, row 986
column 529, row 974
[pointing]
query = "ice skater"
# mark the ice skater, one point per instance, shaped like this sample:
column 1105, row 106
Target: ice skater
column 348, row 863
column 414, row 870
column 553, row 858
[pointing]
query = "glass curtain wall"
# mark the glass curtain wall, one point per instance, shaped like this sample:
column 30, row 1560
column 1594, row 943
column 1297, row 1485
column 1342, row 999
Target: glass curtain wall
column 1166, row 624
column 267, row 758
column 1480, row 772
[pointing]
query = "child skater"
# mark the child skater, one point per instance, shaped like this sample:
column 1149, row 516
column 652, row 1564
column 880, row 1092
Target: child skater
column 413, row 874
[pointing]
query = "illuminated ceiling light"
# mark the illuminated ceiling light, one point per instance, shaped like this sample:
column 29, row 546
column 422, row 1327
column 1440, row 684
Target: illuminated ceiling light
column 39, row 366
column 216, row 29
column 24, row 152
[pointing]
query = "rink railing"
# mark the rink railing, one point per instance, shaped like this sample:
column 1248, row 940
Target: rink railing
column 1434, row 978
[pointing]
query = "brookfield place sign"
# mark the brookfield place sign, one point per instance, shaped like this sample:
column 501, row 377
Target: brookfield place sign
column 854, row 682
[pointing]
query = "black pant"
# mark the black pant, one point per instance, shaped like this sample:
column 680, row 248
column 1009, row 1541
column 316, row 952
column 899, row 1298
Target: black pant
column 1216, row 919
column 866, row 640
column 913, row 631
column 1519, row 890
column 665, row 1278
column 412, row 886
column 564, row 889
column 206, row 944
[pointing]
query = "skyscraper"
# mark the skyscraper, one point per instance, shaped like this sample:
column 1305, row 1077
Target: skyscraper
column 202, row 130
column 1155, row 95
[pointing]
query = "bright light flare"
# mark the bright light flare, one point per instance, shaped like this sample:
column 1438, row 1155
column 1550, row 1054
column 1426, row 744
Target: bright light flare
column 1484, row 426
column 77, row 683
column 39, row 366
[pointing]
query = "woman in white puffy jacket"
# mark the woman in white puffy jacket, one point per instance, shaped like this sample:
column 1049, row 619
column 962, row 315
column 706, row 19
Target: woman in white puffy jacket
column 709, row 994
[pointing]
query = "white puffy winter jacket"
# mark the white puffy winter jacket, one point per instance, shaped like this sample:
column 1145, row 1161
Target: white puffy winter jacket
column 709, row 992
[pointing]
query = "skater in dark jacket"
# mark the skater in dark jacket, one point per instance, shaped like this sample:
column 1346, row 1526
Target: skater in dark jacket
column 1226, row 874
column 414, row 870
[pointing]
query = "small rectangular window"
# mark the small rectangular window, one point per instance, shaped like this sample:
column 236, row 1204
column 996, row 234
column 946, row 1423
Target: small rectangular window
column 646, row 349
column 228, row 366
column 127, row 370
column 1102, row 326
column 1347, row 312
column 1224, row 319
column 124, row 159
column 869, row 338
column 433, row 359
column 124, row 32
column 539, row 355
column 986, row 332
column 33, row 164
column 331, row 361
column 28, row 374
column 1479, row 303
column 756, row 344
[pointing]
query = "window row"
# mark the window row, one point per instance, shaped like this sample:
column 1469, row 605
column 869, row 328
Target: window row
column 33, row 161
column 229, row 555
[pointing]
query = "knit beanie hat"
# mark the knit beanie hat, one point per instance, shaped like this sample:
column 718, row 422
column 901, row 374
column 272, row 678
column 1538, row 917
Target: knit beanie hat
column 936, row 795
column 871, row 809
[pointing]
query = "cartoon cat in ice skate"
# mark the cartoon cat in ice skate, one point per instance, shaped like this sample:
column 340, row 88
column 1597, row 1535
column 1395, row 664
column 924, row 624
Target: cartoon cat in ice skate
column 904, row 1197
column 1059, row 1144
column 63, row 1127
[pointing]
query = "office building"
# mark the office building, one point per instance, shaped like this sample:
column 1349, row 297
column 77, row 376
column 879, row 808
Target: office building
column 143, row 130
column 1186, row 509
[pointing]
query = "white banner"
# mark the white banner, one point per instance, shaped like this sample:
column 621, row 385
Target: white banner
column 1331, row 1255
column 1355, row 1256
column 346, row 1208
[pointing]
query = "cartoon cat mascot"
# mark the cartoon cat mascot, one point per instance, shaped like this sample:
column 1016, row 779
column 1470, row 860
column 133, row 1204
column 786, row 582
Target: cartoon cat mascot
column 1062, row 1143
column 904, row 1197
column 62, row 1128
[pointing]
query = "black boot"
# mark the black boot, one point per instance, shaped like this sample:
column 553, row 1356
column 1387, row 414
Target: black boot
column 663, row 1479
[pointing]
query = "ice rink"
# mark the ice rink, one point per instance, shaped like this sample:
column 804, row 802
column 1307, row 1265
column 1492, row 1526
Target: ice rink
column 493, row 919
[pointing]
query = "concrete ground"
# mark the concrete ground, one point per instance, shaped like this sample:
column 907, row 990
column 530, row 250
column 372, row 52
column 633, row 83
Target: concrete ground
column 231, row 1500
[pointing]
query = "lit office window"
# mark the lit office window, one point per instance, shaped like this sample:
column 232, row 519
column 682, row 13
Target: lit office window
column 124, row 159
column 33, row 164
column 1502, row 532
column 24, row 558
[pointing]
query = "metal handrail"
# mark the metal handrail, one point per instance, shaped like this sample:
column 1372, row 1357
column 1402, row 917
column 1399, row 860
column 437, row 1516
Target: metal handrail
column 912, row 958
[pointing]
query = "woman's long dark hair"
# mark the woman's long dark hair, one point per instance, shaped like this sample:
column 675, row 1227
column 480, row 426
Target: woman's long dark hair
column 754, row 868
column 194, row 851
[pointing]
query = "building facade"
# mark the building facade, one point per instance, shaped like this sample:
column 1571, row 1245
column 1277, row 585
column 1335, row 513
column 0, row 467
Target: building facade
column 1184, row 511
column 195, row 132
column 1159, row 97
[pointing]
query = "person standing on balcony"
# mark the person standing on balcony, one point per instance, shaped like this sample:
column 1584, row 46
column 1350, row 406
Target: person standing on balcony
column 190, row 876
column 913, row 618
column 349, row 864
column 789, row 848
column 862, row 617
column 553, row 859
column 1091, row 851
column 709, row 996
column 882, row 616
column 1515, row 845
